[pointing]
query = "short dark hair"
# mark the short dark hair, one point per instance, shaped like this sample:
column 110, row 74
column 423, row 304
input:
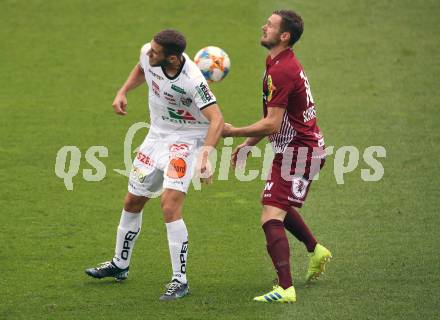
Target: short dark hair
column 172, row 41
column 292, row 23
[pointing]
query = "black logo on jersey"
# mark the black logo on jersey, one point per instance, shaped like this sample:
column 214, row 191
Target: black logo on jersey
column 170, row 98
column 204, row 92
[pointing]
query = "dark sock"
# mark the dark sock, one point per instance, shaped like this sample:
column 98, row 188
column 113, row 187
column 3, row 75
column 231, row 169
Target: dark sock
column 278, row 249
column 295, row 224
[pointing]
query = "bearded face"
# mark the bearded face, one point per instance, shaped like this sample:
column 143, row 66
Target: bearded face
column 156, row 55
column 271, row 32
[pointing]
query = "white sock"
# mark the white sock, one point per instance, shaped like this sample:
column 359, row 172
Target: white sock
column 178, row 244
column 128, row 231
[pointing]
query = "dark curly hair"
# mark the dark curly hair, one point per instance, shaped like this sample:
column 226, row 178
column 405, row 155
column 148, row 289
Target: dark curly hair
column 172, row 41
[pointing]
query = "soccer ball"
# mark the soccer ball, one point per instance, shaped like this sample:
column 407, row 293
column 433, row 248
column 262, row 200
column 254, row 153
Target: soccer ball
column 213, row 62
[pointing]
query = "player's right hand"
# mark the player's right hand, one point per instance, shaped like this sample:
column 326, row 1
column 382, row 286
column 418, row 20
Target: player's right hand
column 120, row 104
column 227, row 130
column 239, row 158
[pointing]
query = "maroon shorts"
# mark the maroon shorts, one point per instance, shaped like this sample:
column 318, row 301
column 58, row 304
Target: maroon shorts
column 291, row 175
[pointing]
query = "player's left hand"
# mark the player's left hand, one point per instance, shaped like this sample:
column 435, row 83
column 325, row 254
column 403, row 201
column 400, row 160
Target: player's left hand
column 204, row 171
column 204, row 168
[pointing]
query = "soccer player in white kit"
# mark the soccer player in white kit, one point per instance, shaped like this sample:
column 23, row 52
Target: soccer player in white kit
column 186, row 123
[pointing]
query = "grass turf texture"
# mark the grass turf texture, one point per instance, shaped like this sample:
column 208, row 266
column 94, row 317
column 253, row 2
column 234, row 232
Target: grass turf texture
column 373, row 69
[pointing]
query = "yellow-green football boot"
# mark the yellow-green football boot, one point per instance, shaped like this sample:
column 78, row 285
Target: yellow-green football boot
column 318, row 259
column 278, row 294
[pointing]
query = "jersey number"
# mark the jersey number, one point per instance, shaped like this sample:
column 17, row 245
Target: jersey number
column 308, row 90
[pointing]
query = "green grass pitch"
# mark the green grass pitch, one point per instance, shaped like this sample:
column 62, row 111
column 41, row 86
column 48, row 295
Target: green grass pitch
column 373, row 67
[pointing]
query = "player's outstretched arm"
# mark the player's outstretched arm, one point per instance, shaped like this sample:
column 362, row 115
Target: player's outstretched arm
column 269, row 125
column 135, row 78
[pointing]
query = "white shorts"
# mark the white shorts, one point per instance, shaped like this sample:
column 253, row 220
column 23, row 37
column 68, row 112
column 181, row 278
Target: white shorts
column 163, row 165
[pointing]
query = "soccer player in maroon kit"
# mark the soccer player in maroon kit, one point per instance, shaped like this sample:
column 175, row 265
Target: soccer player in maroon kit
column 290, row 123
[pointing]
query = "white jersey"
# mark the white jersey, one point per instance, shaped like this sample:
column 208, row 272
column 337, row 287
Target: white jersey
column 175, row 103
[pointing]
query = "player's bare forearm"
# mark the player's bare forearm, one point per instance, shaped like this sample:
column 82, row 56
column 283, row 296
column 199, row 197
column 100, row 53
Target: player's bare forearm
column 214, row 133
column 252, row 141
column 259, row 129
column 266, row 126
column 135, row 79
column 215, row 118
column 216, row 123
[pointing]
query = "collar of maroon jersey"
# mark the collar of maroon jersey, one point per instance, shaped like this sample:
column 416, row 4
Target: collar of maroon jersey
column 279, row 56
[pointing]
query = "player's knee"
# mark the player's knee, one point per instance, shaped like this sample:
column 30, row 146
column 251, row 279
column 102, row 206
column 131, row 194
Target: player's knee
column 272, row 213
column 133, row 207
column 172, row 204
column 171, row 211
column 168, row 208
column 134, row 204
column 264, row 219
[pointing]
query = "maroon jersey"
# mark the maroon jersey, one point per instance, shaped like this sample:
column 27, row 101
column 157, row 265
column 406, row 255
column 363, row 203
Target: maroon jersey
column 285, row 85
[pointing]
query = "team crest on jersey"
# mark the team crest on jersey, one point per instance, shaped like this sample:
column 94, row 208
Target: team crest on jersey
column 299, row 187
column 270, row 87
column 186, row 101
